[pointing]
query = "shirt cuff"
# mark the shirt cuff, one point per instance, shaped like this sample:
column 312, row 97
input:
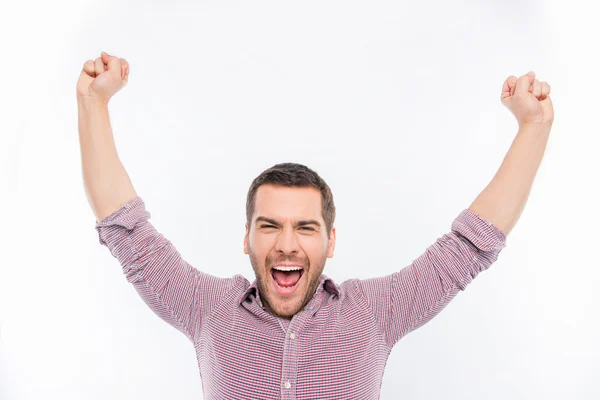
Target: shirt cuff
column 130, row 214
column 480, row 232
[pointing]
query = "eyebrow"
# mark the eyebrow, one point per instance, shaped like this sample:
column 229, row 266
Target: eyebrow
column 299, row 223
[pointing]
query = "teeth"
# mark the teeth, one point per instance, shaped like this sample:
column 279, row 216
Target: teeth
column 282, row 268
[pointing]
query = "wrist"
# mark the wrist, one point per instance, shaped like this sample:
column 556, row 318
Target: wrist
column 90, row 103
column 536, row 128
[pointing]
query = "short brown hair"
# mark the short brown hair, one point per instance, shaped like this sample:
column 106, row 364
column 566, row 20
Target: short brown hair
column 293, row 175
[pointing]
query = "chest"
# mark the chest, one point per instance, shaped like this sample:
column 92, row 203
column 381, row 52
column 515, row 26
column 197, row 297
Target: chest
column 332, row 352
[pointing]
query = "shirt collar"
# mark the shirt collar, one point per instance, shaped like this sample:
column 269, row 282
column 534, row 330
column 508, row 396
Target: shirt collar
column 325, row 283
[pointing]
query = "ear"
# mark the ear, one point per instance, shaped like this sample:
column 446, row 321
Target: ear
column 331, row 246
column 246, row 240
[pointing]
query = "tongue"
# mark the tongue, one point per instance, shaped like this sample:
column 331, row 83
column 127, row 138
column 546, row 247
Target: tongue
column 286, row 278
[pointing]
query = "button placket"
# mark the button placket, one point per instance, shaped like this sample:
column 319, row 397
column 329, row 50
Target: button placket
column 290, row 359
column 290, row 348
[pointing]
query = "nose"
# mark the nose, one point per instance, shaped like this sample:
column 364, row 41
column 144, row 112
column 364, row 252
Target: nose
column 287, row 241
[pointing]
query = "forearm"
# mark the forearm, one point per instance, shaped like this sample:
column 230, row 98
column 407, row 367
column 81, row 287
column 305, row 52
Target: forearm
column 107, row 184
column 504, row 199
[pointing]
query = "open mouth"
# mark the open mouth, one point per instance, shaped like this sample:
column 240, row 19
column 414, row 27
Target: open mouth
column 285, row 282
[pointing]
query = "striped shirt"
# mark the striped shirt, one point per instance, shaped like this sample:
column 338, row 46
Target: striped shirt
column 335, row 348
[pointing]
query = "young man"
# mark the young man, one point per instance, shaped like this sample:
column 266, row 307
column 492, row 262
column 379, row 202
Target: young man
column 293, row 333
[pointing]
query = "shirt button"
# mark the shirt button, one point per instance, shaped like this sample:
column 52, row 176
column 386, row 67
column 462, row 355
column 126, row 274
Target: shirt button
column 287, row 385
column 292, row 335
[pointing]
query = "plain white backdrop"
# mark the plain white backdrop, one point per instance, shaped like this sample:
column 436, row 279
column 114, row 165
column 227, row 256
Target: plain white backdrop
column 395, row 104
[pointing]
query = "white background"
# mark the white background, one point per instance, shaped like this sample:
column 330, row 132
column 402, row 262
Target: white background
column 396, row 105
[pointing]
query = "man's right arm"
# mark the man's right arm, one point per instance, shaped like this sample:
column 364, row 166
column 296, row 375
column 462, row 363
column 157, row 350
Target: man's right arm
column 177, row 292
column 107, row 184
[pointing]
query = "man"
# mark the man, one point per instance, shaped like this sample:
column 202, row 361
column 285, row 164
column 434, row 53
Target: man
column 294, row 333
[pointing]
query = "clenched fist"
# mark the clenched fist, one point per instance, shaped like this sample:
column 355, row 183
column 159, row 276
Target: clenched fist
column 528, row 99
column 101, row 79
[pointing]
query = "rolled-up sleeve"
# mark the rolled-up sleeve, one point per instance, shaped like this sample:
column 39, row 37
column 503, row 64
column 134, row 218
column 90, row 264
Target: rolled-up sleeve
column 176, row 291
column 405, row 300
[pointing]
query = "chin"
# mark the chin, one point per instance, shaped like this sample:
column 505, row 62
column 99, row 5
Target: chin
column 286, row 307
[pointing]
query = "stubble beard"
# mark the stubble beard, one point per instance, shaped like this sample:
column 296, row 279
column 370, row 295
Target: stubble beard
column 265, row 295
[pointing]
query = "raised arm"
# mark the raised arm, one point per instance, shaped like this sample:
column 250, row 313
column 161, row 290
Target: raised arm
column 504, row 199
column 176, row 291
column 405, row 300
column 107, row 184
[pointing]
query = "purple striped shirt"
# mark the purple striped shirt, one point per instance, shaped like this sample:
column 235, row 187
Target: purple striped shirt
column 336, row 348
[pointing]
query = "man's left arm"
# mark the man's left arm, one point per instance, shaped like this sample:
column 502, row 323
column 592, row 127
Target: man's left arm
column 406, row 300
column 504, row 198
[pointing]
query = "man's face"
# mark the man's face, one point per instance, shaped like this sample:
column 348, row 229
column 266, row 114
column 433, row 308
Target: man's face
column 288, row 228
